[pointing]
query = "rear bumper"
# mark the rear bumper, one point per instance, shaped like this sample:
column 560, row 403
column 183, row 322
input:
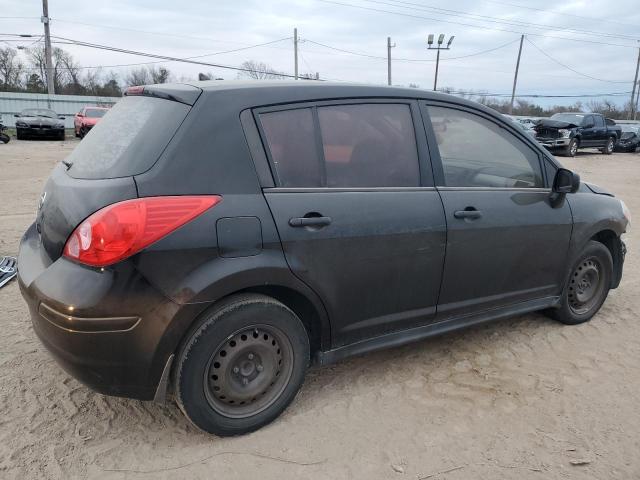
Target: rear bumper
column 109, row 328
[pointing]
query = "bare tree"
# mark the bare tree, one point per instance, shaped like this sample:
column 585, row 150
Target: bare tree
column 11, row 69
column 259, row 71
column 148, row 75
column 138, row 76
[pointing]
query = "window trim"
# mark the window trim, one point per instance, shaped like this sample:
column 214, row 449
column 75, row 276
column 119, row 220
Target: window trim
column 425, row 166
column 438, row 169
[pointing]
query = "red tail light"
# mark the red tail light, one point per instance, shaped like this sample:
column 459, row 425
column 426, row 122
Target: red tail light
column 122, row 229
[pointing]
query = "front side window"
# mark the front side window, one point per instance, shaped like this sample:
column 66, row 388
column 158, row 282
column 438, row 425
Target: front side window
column 598, row 120
column 476, row 152
column 363, row 145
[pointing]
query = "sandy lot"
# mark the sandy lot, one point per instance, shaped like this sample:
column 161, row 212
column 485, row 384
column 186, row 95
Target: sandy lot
column 524, row 398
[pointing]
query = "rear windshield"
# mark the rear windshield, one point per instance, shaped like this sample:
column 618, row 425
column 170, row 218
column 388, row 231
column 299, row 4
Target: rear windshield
column 129, row 139
column 574, row 118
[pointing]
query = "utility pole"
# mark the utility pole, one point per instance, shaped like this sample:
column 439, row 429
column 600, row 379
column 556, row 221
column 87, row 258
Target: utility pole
column 295, row 52
column 632, row 105
column 388, row 60
column 47, row 48
column 438, row 48
column 515, row 77
column 635, row 110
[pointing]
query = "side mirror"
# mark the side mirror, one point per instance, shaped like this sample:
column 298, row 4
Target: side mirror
column 566, row 181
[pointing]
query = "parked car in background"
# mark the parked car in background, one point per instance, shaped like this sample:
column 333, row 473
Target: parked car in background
column 4, row 138
column 39, row 123
column 319, row 221
column 630, row 139
column 565, row 133
column 86, row 119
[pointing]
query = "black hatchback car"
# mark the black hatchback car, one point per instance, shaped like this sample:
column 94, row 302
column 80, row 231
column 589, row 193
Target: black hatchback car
column 212, row 240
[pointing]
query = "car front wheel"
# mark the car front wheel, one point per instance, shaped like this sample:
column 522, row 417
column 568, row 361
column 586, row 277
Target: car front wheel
column 572, row 148
column 242, row 365
column 587, row 286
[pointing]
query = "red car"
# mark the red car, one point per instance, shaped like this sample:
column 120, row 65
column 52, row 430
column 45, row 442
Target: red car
column 86, row 118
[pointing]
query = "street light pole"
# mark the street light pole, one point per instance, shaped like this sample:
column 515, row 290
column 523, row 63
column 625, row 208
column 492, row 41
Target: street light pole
column 438, row 48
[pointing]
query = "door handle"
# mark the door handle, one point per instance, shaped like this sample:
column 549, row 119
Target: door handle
column 309, row 221
column 470, row 212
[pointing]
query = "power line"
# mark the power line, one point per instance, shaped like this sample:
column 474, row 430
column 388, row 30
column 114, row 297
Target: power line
column 147, row 32
column 161, row 57
column 166, row 61
column 571, row 68
column 592, row 19
column 484, row 94
column 487, row 18
column 421, row 17
column 377, row 57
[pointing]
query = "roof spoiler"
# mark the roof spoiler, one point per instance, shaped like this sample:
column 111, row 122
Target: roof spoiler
column 187, row 94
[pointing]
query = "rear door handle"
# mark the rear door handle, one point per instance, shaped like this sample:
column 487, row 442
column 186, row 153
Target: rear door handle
column 309, row 221
column 470, row 212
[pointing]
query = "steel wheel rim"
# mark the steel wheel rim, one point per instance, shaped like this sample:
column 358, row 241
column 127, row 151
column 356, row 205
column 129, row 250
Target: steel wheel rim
column 610, row 145
column 574, row 148
column 249, row 371
column 585, row 286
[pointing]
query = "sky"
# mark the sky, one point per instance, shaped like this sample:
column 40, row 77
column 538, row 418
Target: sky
column 572, row 47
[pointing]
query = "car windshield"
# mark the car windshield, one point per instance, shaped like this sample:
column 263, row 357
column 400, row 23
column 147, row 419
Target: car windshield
column 574, row 118
column 38, row 112
column 95, row 112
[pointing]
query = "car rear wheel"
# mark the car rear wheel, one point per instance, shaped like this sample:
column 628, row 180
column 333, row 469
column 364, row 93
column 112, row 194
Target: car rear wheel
column 241, row 366
column 83, row 132
column 608, row 148
column 572, row 148
column 587, row 286
column 19, row 135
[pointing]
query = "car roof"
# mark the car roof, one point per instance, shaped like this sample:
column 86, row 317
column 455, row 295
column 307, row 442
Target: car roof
column 263, row 92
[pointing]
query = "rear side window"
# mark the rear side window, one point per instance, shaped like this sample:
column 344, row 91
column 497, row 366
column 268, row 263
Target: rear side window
column 129, row 139
column 598, row 121
column 370, row 145
column 364, row 145
column 475, row 152
column 291, row 138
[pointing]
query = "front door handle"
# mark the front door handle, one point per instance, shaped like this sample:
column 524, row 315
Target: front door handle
column 468, row 213
column 309, row 221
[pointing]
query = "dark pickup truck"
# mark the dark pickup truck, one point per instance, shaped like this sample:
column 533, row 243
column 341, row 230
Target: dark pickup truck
column 566, row 132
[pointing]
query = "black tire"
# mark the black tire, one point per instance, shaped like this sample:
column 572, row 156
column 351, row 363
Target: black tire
column 241, row 365
column 83, row 132
column 571, row 149
column 61, row 136
column 587, row 285
column 608, row 148
column 19, row 135
column 76, row 133
column 4, row 138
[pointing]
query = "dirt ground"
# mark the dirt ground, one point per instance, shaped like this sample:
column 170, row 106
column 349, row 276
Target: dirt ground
column 524, row 398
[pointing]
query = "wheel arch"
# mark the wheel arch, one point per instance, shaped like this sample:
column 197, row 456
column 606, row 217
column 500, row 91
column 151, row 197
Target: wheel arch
column 612, row 241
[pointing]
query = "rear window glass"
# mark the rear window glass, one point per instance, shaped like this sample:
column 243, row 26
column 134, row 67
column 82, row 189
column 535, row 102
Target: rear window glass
column 364, row 145
column 370, row 145
column 129, row 139
column 291, row 138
